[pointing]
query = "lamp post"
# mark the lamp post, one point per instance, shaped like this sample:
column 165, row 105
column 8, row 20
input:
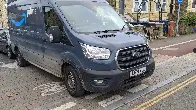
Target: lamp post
column 177, row 27
column 121, row 6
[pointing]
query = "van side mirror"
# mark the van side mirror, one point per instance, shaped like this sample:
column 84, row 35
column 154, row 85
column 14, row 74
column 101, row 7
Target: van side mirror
column 54, row 34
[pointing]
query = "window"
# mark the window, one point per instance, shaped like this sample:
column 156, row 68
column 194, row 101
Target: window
column 140, row 5
column 194, row 4
column 90, row 17
column 163, row 3
column 52, row 19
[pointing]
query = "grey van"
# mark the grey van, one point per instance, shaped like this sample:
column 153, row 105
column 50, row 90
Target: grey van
column 85, row 42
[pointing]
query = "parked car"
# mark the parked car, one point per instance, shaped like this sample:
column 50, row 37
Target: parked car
column 85, row 43
column 4, row 43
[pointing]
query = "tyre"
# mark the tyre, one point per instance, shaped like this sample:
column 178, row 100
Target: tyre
column 73, row 83
column 10, row 53
column 20, row 60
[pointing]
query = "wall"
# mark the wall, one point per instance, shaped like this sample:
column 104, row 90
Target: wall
column 189, row 8
column 3, row 14
column 152, row 15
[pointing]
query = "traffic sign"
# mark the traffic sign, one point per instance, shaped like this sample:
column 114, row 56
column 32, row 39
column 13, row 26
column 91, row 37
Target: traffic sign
column 180, row 1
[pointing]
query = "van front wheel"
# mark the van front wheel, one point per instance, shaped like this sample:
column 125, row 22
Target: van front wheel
column 20, row 60
column 73, row 83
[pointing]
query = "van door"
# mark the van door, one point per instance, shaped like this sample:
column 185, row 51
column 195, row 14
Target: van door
column 16, row 32
column 31, row 33
column 53, row 51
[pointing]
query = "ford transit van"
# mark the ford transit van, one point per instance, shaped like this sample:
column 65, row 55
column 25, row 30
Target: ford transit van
column 85, row 42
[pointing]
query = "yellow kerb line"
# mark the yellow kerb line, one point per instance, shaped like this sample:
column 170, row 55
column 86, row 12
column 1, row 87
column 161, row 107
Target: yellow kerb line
column 156, row 101
column 165, row 94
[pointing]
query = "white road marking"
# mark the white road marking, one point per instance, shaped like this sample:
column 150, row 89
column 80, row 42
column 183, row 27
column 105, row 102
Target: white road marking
column 93, row 95
column 10, row 65
column 170, row 48
column 65, row 106
column 138, row 88
column 173, row 45
column 50, row 88
column 110, row 100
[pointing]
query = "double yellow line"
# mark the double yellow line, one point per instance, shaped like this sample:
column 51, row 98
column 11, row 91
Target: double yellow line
column 167, row 93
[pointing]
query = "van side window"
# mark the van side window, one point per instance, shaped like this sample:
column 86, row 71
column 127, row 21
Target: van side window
column 52, row 19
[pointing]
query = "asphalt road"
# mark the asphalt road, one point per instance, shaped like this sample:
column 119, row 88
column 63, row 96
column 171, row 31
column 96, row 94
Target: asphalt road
column 178, row 95
column 183, row 98
column 31, row 88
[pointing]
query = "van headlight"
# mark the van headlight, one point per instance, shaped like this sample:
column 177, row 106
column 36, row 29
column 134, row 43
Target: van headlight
column 93, row 52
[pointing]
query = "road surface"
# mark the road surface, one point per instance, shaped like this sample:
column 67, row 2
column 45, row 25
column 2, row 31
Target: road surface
column 31, row 88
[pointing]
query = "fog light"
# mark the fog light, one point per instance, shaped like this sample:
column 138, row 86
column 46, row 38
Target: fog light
column 98, row 81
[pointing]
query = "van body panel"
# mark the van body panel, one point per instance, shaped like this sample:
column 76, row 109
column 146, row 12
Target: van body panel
column 121, row 40
column 115, row 78
column 34, row 43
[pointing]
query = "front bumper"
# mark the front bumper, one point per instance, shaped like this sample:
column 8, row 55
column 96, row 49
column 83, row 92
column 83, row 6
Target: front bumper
column 114, row 79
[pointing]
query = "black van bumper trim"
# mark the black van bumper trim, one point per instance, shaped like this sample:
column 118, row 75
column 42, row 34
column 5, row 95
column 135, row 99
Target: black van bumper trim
column 114, row 79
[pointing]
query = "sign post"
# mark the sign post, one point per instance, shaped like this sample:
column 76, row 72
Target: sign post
column 121, row 6
column 177, row 27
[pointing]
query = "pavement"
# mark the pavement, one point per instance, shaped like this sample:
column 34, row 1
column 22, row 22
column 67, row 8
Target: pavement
column 31, row 88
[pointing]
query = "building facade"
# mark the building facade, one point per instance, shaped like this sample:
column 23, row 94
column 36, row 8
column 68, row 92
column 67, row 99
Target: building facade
column 3, row 14
column 150, row 10
column 191, row 6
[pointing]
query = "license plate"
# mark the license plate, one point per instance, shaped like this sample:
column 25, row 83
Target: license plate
column 137, row 72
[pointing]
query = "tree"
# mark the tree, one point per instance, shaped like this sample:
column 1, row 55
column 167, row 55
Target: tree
column 174, row 5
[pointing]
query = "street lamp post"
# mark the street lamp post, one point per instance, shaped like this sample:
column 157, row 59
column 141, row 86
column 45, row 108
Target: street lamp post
column 177, row 26
column 121, row 6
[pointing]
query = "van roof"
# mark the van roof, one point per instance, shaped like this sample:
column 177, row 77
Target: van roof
column 81, row 0
column 24, row 2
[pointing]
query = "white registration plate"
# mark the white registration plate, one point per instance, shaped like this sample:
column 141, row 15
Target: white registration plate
column 137, row 72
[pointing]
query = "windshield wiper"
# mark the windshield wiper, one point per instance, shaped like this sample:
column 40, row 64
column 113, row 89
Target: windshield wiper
column 123, row 26
column 106, row 31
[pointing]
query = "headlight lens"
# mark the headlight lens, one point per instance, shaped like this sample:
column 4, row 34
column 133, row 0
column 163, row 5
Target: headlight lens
column 95, row 52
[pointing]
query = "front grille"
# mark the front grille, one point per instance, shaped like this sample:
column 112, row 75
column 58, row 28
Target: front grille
column 133, row 56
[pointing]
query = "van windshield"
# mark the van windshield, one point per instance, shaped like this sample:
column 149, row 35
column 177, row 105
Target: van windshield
column 88, row 16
